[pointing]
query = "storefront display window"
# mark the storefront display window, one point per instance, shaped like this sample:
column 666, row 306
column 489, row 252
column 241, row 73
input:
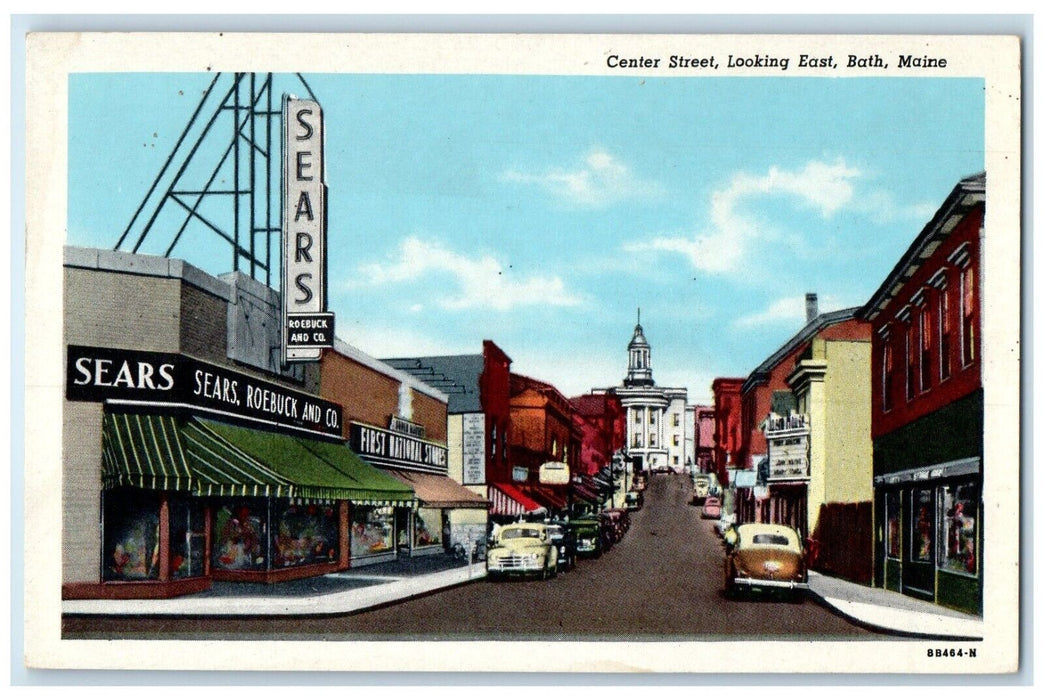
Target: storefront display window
column 304, row 534
column 921, row 526
column 427, row 527
column 893, row 543
column 131, row 535
column 187, row 537
column 373, row 530
column 958, row 519
column 239, row 536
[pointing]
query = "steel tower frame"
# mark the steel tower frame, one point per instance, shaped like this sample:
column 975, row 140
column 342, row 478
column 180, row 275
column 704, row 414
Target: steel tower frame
column 241, row 127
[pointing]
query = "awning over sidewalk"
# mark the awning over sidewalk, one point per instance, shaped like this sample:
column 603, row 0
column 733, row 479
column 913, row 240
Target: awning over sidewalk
column 545, row 496
column 583, row 493
column 505, row 499
column 209, row 458
column 439, row 491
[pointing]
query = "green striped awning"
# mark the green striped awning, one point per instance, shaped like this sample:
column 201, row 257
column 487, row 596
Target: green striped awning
column 209, row 458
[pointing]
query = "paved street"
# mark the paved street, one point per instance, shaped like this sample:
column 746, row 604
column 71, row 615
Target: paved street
column 663, row 579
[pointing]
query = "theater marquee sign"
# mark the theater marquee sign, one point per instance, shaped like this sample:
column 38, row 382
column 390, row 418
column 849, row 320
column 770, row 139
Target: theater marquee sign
column 137, row 378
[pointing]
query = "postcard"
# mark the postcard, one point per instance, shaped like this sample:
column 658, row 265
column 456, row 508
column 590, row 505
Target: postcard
column 518, row 352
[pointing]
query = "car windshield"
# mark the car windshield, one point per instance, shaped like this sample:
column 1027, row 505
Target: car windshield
column 554, row 531
column 520, row 533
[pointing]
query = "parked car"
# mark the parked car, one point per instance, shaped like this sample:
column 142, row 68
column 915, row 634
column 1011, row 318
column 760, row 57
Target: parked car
column 588, row 532
column 700, row 488
column 635, row 500
column 564, row 541
column 522, row 549
column 766, row 558
column 711, row 508
column 619, row 522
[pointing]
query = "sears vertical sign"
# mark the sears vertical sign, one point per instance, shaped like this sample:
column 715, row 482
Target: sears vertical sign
column 307, row 327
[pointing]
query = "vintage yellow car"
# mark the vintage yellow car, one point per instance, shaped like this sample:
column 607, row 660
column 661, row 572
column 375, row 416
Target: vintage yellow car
column 764, row 557
column 523, row 549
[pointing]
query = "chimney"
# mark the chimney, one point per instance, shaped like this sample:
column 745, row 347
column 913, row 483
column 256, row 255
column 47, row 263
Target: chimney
column 811, row 307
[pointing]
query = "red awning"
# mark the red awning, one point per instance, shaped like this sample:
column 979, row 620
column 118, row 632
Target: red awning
column 585, row 494
column 546, row 496
column 505, row 499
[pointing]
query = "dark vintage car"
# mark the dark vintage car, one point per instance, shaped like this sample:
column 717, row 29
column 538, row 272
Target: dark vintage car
column 635, row 500
column 563, row 539
column 762, row 557
column 589, row 538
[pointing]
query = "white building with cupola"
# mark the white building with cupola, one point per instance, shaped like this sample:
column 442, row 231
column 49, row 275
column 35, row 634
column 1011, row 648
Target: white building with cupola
column 656, row 415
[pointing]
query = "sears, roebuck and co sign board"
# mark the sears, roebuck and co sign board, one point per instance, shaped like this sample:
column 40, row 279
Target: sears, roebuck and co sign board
column 137, row 378
column 307, row 327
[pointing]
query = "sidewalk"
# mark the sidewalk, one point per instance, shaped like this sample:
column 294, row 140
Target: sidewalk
column 892, row 612
column 343, row 592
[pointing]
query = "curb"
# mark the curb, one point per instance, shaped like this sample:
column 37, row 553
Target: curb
column 874, row 617
column 341, row 603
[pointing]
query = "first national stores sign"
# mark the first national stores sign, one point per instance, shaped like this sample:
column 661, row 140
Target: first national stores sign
column 138, row 378
column 307, row 327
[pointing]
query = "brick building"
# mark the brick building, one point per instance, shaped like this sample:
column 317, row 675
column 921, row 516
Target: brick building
column 927, row 408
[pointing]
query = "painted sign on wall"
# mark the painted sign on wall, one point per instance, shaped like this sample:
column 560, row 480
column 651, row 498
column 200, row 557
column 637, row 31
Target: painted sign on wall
column 474, row 448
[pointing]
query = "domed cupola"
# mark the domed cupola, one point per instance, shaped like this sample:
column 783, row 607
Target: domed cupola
column 639, row 365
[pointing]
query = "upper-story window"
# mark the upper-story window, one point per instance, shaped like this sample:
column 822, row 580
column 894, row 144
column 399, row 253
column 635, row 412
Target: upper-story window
column 637, row 415
column 886, row 376
column 554, row 447
column 945, row 333
column 677, row 420
column 968, row 315
column 911, row 363
column 652, row 418
column 637, row 441
column 924, row 328
column 493, row 442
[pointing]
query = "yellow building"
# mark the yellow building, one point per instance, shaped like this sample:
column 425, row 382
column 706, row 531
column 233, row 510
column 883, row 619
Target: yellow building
column 831, row 424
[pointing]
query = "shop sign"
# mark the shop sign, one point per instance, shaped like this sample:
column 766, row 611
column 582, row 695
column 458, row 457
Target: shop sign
column 554, row 473
column 136, row 377
column 519, row 474
column 398, row 424
column 788, row 458
column 474, row 448
column 388, row 449
column 307, row 327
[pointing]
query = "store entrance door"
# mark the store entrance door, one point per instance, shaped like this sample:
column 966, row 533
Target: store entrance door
column 919, row 551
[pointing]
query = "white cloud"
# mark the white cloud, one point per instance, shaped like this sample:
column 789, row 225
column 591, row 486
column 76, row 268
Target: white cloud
column 598, row 181
column 479, row 282
column 725, row 244
column 790, row 310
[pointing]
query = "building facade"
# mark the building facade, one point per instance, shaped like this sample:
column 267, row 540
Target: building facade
column 655, row 415
column 776, row 438
column 704, row 443
column 190, row 454
column 824, row 449
column 728, row 422
column 397, row 423
column 927, row 409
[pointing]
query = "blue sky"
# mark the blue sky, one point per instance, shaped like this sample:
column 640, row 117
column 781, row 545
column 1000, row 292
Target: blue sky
column 542, row 211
